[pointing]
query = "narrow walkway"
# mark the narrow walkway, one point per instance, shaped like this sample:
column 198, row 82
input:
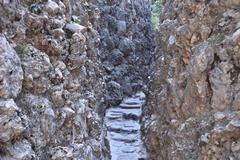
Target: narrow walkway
column 123, row 129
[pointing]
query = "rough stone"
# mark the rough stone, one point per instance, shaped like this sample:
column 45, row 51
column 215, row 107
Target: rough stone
column 11, row 125
column 115, row 94
column 36, row 67
column 39, row 130
column 20, row 150
column 121, row 27
column 116, row 57
column 52, row 8
column 75, row 28
column 11, row 73
column 126, row 46
column 193, row 110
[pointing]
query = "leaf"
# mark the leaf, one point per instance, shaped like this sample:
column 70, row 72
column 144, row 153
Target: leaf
column 76, row 19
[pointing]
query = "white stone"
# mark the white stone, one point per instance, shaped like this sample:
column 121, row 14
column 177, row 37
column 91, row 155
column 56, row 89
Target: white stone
column 11, row 73
column 172, row 40
column 75, row 28
column 52, row 7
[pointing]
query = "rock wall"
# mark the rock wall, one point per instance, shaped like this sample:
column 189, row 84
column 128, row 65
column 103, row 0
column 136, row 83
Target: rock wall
column 194, row 104
column 51, row 81
column 126, row 46
column 60, row 63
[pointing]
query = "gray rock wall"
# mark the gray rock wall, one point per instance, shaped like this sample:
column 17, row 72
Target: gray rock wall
column 193, row 103
column 126, row 44
column 60, row 61
column 51, row 83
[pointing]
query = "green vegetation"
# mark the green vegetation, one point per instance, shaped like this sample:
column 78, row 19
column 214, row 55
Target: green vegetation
column 35, row 9
column 156, row 8
column 76, row 19
column 20, row 48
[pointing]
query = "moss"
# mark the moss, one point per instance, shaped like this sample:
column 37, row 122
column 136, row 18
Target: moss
column 76, row 19
column 3, row 150
column 20, row 48
column 156, row 8
column 35, row 9
column 217, row 39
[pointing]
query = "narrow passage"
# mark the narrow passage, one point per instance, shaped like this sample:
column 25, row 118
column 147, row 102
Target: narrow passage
column 123, row 129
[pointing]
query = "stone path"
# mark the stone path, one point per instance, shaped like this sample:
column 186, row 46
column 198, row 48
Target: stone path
column 123, row 129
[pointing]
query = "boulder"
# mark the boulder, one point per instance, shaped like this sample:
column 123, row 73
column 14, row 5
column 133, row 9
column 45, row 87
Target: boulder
column 11, row 73
column 121, row 27
column 126, row 46
column 116, row 57
column 115, row 94
column 36, row 66
column 11, row 125
column 72, row 28
column 52, row 8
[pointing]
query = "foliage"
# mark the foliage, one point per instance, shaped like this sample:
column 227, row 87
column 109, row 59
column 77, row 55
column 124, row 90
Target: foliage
column 20, row 48
column 76, row 19
column 156, row 8
column 35, row 9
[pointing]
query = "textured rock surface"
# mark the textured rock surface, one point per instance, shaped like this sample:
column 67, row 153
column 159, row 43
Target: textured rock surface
column 123, row 129
column 126, row 42
column 193, row 102
column 11, row 73
column 60, row 61
column 11, row 122
column 49, row 65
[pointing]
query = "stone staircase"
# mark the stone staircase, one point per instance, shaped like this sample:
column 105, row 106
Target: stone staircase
column 123, row 129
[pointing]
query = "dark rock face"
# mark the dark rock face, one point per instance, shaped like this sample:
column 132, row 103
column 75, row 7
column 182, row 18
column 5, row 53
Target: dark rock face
column 126, row 42
column 193, row 102
column 115, row 93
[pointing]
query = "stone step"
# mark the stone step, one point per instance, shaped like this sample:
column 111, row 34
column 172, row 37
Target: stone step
column 129, row 156
column 128, row 126
column 131, row 152
column 125, row 140
column 123, row 147
column 133, row 101
column 118, row 110
column 128, row 138
column 113, row 115
column 140, row 95
column 123, row 129
column 129, row 116
column 130, row 106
